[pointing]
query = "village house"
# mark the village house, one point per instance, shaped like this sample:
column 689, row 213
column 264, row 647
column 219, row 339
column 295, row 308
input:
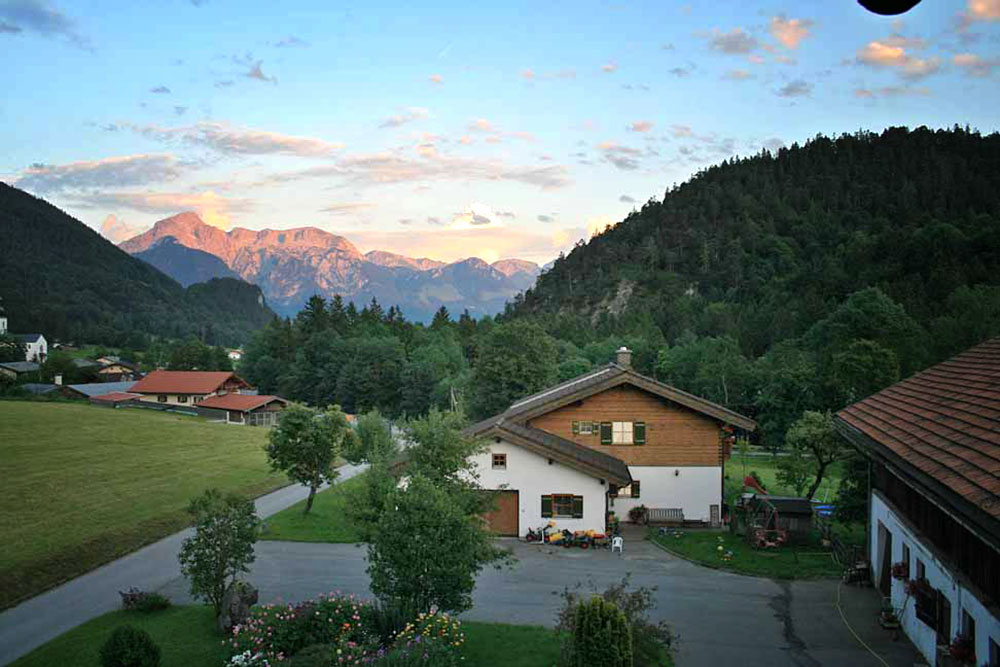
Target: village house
column 36, row 348
column 187, row 388
column 247, row 409
column 92, row 390
column 20, row 371
column 933, row 446
column 609, row 440
column 118, row 371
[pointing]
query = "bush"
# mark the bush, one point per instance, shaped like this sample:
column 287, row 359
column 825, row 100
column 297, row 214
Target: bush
column 650, row 641
column 601, row 636
column 137, row 600
column 637, row 514
column 130, row 647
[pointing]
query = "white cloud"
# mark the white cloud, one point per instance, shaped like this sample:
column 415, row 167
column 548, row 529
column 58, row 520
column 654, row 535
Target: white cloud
column 475, row 216
column 226, row 139
column 410, row 115
column 117, row 230
column 117, row 171
column 734, row 42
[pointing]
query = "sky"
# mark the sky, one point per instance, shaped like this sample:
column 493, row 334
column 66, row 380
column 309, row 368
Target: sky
column 455, row 129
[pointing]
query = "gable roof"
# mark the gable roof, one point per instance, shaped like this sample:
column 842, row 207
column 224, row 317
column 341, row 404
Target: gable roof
column 941, row 427
column 585, row 459
column 20, row 366
column 614, row 375
column 84, row 363
column 183, row 382
column 241, row 402
column 39, row 387
column 100, row 388
column 28, row 337
column 116, row 397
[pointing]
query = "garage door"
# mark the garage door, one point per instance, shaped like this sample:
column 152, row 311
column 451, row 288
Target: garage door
column 503, row 520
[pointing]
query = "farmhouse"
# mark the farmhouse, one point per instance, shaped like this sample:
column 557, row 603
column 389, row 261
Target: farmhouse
column 19, row 370
column 248, row 409
column 187, row 387
column 933, row 445
column 118, row 371
column 608, row 440
column 94, row 389
column 36, row 348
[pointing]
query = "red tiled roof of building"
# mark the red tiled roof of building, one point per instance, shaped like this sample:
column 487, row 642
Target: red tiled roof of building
column 241, row 402
column 945, row 422
column 183, row 382
column 116, row 397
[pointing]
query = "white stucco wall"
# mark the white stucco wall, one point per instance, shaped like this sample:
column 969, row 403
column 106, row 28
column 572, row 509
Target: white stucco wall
column 532, row 476
column 693, row 489
column 923, row 636
column 36, row 351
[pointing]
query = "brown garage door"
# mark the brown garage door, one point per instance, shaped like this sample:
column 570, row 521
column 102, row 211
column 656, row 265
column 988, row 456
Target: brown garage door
column 503, row 520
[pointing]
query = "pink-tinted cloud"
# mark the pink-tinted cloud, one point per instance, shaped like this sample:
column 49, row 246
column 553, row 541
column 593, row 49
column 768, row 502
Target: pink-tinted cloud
column 790, row 32
column 983, row 10
column 641, row 126
column 895, row 52
column 609, row 67
column 436, row 78
column 227, row 139
column 974, row 65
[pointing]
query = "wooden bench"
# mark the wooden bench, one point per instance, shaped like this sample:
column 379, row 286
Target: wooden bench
column 664, row 515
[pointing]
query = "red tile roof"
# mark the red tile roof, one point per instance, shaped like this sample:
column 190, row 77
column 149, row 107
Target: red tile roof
column 945, row 422
column 241, row 402
column 183, row 382
column 116, row 397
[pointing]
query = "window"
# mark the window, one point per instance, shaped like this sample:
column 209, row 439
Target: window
column 969, row 626
column 994, row 657
column 162, row 398
column 639, row 433
column 906, row 555
column 182, row 399
column 631, row 491
column 921, row 571
column 199, row 399
column 586, row 428
column 606, row 433
column 559, row 505
column 499, row 461
column 621, row 433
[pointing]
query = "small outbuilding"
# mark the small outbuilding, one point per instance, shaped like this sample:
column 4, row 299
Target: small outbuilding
column 250, row 410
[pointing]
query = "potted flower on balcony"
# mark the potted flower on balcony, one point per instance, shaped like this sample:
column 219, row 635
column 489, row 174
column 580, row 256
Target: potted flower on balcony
column 901, row 570
column 963, row 650
column 887, row 617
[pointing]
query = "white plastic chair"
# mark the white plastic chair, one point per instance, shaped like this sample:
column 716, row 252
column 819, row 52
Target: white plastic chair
column 618, row 542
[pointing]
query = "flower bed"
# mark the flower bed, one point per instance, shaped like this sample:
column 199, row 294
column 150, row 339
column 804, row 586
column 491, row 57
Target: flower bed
column 347, row 629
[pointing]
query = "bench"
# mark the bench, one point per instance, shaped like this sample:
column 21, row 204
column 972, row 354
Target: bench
column 664, row 515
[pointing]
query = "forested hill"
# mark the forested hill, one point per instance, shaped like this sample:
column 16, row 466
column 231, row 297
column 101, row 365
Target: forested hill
column 888, row 239
column 60, row 278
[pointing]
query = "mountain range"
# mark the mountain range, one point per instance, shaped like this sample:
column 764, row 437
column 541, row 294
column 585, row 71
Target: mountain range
column 290, row 265
column 61, row 278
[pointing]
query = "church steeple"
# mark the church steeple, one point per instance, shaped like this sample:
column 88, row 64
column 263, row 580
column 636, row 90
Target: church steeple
column 3, row 318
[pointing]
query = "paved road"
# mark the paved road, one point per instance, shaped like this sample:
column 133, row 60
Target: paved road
column 36, row 621
column 722, row 619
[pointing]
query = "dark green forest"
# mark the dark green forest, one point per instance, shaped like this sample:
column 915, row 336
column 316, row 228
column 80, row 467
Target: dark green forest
column 61, row 278
column 784, row 282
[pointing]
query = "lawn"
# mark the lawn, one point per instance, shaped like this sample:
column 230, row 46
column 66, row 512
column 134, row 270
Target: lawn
column 326, row 522
column 766, row 468
column 802, row 561
column 186, row 637
column 81, row 485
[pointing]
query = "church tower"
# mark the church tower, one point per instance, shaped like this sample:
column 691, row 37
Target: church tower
column 3, row 319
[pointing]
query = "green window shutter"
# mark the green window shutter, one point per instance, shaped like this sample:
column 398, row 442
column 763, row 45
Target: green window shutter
column 605, row 433
column 639, row 433
column 547, row 507
column 577, row 507
column 576, row 427
column 635, row 488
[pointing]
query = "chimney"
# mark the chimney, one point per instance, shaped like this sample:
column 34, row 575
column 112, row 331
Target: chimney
column 623, row 357
column 57, row 379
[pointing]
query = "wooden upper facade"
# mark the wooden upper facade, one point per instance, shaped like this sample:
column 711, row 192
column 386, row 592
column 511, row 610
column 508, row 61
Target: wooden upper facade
column 673, row 434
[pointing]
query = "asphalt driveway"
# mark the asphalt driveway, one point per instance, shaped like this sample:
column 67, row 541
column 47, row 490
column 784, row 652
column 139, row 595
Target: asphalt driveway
column 721, row 618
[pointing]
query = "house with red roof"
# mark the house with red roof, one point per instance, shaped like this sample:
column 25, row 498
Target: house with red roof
column 247, row 409
column 187, row 388
column 933, row 446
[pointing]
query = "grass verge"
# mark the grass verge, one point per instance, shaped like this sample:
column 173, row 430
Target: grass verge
column 82, row 485
column 187, row 639
column 799, row 561
column 326, row 522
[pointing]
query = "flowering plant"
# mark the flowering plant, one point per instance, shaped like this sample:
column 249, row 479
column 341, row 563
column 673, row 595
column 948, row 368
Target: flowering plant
column 900, row 570
column 963, row 649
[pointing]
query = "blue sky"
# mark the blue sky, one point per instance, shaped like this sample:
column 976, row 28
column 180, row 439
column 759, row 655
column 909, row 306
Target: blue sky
column 456, row 129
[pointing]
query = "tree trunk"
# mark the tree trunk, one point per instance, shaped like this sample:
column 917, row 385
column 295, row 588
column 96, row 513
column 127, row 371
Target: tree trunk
column 309, row 500
column 819, row 480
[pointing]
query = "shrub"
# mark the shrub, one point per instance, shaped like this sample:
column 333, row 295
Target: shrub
column 284, row 630
column 637, row 514
column 130, row 647
column 650, row 641
column 136, row 600
column 601, row 636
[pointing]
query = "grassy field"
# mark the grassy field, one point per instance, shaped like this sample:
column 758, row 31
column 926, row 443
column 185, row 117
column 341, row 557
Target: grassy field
column 81, row 485
column 186, row 638
column 326, row 522
column 803, row 561
column 767, row 468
